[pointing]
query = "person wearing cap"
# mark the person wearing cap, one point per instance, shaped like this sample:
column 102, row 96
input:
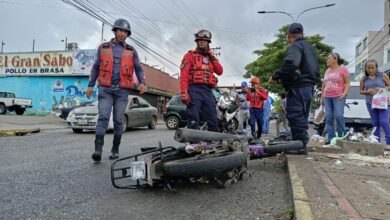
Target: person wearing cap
column 299, row 73
column 197, row 80
column 113, row 69
column 256, row 96
column 243, row 113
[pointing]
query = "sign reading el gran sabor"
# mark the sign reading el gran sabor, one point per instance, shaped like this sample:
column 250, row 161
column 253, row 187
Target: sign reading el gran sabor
column 52, row 63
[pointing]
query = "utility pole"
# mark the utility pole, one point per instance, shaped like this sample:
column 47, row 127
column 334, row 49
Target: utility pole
column 66, row 43
column 216, row 51
column 2, row 46
column 33, row 45
column 101, row 40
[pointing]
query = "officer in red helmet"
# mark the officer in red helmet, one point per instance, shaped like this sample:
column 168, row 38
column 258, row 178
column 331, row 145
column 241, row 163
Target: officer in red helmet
column 196, row 81
column 256, row 96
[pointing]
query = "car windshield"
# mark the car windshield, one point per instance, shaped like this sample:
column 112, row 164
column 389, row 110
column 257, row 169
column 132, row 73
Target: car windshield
column 354, row 93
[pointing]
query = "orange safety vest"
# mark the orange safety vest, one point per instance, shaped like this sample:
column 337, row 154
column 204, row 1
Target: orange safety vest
column 107, row 66
column 255, row 100
column 202, row 70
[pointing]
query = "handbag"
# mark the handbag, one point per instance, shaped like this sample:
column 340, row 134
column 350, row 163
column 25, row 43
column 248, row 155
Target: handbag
column 320, row 116
column 380, row 100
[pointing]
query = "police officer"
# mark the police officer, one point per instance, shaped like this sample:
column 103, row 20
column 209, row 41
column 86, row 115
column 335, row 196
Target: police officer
column 196, row 81
column 256, row 96
column 299, row 73
column 114, row 66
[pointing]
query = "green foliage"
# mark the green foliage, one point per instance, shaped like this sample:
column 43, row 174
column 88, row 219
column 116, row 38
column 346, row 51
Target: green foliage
column 271, row 58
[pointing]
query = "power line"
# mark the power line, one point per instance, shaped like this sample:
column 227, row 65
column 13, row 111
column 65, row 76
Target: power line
column 83, row 7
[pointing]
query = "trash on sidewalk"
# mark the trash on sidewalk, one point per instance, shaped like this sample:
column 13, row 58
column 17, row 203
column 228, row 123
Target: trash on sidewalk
column 360, row 158
column 339, row 165
column 317, row 138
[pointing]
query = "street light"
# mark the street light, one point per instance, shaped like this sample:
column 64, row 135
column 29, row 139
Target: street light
column 300, row 14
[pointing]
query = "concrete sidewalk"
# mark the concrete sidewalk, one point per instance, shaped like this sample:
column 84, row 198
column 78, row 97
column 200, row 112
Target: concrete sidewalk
column 358, row 189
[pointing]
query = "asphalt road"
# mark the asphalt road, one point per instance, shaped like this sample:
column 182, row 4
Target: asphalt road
column 50, row 175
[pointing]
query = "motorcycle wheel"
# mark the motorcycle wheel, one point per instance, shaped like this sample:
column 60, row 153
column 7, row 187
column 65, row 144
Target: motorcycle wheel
column 205, row 165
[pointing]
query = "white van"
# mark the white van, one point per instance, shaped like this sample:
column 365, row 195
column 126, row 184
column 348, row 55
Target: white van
column 356, row 114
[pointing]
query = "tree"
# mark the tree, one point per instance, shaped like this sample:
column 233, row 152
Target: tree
column 271, row 58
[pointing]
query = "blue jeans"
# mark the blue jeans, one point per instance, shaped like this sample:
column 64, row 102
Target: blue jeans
column 111, row 98
column 380, row 118
column 256, row 115
column 298, row 108
column 266, row 115
column 334, row 110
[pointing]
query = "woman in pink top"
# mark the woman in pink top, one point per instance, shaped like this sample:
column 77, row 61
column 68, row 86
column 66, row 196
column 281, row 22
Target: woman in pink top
column 335, row 88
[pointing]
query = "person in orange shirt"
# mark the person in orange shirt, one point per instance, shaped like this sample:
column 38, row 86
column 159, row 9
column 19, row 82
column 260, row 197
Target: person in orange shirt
column 256, row 96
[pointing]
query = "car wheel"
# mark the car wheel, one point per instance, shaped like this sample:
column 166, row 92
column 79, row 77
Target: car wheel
column 172, row 122
column 77, row 130
column 20, row 111
column 152, row 124
column 3, row 109
column 125, row 123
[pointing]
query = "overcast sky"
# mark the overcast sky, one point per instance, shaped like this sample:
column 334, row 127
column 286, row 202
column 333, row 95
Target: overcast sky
column 167, row 26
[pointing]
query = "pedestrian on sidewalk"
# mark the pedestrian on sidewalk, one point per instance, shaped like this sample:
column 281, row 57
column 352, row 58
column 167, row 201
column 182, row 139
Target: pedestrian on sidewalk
column 372, row 83
column 197, row 80
column 281, row 111
column 256, row 96
column 243, row 113
column 299, row 73
column 267, row 112
column 335, row 87
column 114, row 66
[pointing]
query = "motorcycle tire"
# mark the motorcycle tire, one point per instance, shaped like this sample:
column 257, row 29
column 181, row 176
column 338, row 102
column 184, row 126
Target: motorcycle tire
column 205, row 165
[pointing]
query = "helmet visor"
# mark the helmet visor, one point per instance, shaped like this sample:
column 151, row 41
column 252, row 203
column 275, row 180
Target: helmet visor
column 204, row 33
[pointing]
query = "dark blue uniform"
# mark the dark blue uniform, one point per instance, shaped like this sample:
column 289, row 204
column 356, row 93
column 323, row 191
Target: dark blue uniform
column 299, row 73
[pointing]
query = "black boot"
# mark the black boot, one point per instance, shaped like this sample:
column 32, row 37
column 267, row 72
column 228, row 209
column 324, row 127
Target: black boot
column 99, row 142
column 115, row 147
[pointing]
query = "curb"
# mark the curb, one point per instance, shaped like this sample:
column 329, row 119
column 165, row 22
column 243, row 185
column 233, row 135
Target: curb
column 302, row 208
column 18, row 132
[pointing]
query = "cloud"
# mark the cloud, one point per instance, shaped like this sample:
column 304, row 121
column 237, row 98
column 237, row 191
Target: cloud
column 236, row 26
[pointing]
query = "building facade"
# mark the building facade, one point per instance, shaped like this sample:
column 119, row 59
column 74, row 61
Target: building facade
column 58, row 79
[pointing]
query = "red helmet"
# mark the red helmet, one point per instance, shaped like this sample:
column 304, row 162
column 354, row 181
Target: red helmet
column 254, row 80
column 203, row 35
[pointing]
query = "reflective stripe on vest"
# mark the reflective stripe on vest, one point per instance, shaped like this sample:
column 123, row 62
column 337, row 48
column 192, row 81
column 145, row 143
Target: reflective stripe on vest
column 202, row 71
column 107, row 67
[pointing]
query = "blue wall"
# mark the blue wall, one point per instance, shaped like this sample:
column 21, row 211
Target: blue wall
column 48, row 93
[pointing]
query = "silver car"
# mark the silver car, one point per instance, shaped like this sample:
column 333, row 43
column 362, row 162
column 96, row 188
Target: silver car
column 139, row 113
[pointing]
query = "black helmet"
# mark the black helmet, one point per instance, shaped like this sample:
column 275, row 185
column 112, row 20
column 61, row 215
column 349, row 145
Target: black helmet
column 122, row 24
column 203, row 35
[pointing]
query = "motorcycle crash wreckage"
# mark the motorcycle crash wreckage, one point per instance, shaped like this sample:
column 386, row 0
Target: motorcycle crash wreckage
column 218, row 158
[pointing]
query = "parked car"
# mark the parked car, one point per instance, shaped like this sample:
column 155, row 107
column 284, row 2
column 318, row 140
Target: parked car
column 139, row 113
column 356, row 114
column 175, row 115
column 9, row 102
column 65, row 111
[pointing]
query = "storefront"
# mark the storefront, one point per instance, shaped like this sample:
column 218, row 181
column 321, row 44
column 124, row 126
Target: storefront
column 57, row 79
